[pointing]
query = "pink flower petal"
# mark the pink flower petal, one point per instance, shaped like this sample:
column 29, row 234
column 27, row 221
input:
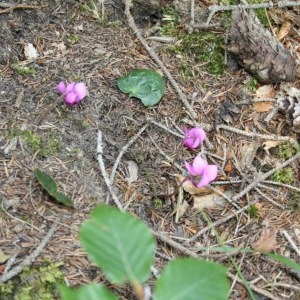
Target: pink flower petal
column 193, row 137
column 61, row 87
column 199, row 164
column 80, row 90
column 211, row 171
column 188, row 142
column 189, row 168
column 71, row 98
column 204, row 181
column 70, row 87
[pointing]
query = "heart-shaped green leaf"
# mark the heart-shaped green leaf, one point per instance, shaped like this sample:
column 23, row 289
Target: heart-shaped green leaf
column 49, row 184
column 144, row 84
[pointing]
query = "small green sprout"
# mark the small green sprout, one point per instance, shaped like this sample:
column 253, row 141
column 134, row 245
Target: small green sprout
column 253, row 211
column 251, row 85
column 73, row 38
column 158, row 203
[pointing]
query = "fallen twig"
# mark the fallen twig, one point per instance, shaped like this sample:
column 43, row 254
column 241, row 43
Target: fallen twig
column 103, row 171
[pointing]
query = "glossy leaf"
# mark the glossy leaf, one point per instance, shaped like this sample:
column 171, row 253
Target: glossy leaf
column 192, row 279
column 49, row 184
column 144, row 84
column 87, row 292
column 118, row 243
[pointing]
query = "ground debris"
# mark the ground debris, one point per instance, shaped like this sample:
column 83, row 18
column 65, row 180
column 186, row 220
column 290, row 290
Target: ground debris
column 258, row 51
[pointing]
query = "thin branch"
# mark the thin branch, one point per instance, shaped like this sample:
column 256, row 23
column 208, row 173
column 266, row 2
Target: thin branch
column 293, row 188
column 262, row 177
column 215, row 8
column 266, row 197
column 290, row 240
column 103, row 171
column 30, row 258
column 257, row 135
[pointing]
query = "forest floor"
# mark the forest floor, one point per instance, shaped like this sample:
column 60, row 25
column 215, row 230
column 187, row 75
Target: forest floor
column 92, row 42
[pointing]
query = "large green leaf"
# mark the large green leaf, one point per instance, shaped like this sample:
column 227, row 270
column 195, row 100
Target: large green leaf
column 48, row 183
column 118, row 243
column 192, row 279
column 87, row 292
column 143, row 84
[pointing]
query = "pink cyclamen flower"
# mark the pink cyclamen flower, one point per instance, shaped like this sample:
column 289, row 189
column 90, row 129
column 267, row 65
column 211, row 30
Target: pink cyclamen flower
column 73, row 92
column 200, row 172
column 193, row 137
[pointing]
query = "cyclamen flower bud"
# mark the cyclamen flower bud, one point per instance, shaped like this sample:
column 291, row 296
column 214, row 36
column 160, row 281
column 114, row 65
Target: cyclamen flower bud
column 73, row 92
column 193, row 137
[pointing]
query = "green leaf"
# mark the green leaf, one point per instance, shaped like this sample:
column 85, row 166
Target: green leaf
column 284, row 260
column 144, row 84
column 49, row 184
column 192, row 279
column 118, row 243
column 87, row 292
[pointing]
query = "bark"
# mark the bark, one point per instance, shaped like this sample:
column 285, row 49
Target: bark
column 258, row 51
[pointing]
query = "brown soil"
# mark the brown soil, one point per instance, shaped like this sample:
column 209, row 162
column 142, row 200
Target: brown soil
column 76, row 44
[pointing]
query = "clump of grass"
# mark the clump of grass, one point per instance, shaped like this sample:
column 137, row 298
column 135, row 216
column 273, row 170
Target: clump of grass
column 285, row 175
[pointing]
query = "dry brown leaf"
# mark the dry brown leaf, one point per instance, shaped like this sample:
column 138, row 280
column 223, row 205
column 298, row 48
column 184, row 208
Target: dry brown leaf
column 209, row 201
column 263, row 106
column 284, row 30
column 270, row 144
column 264, row 92
column 267, row 241
column 190, row 188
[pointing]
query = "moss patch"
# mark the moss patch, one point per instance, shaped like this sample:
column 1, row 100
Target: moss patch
column 192, row 49
column 34, row 284
column 285, row 175
column 44, row 146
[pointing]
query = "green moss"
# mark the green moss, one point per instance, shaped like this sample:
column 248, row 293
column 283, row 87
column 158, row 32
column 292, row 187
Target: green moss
column 43, row 146
column 285, row 175
column 34, row 283
column 261, row 13
column 193, row 49
column 23, row 70
column 286, row 150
